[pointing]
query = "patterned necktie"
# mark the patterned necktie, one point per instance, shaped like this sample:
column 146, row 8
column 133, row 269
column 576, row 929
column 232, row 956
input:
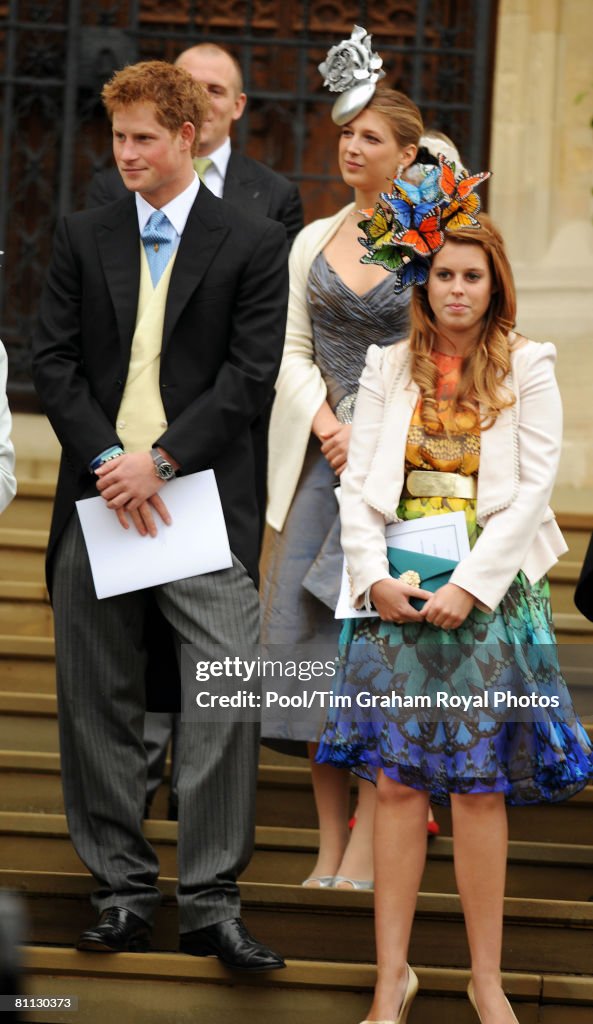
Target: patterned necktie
column 201, row 164
column 158, row 237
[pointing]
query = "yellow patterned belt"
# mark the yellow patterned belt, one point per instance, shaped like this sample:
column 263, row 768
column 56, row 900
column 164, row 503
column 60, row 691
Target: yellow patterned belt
column 428, row 483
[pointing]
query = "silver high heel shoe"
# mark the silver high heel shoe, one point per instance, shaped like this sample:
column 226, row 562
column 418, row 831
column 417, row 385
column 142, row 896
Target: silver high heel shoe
column 325, row 882
column 411, row 990
column 356, row 883
column 472, row 998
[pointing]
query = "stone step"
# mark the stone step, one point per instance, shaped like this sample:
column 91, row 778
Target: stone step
column 28, row 704
column 23, row 590
column 574, row 660
column 30, row 782
column 541, row 936
column 28, row 594
column 40, row 487
column 565, row 572
column 287, row 855
column 31, row 673
column 25, row 528
column 28, row 674
column 25, row 609
column 27, row 663
column 22, row 554
column 563, row 580
column 32, row 507
column 154, row 988
column 37, row 447
column 28, row 720
column 572, row 628
column 576, row 536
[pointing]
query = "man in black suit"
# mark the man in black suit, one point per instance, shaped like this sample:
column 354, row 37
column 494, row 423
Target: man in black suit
column 239, row 179
column 171, row 304
column 256, row 189
column 584, row 592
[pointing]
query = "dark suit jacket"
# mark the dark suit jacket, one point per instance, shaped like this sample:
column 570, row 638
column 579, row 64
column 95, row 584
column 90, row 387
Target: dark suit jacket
column 248, row 183
column 222, row 342
column 583, row 597
column 256, row 189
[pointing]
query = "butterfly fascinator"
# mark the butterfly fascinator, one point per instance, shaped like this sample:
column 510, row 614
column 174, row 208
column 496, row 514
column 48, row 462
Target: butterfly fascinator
column 352, row 69
column 409, row 224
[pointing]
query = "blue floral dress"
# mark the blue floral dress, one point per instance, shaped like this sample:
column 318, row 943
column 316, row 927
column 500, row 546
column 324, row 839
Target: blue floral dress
column 539, row 753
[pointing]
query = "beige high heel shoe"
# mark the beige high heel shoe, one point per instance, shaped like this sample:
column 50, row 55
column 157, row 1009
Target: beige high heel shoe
column 411, row 990
column 472, row 998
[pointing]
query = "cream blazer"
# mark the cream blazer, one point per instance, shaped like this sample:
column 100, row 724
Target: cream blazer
column 300, row 388
column 518, row 461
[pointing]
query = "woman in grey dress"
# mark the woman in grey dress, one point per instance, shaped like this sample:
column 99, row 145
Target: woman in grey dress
column 337, row 308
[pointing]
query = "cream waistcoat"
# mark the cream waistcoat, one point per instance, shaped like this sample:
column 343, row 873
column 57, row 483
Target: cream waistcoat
column 141, row 417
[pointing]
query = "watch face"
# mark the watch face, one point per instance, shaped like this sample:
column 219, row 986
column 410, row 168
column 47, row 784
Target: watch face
column 165, row 470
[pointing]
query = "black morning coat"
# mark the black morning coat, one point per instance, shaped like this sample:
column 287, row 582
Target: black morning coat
column 222, row 343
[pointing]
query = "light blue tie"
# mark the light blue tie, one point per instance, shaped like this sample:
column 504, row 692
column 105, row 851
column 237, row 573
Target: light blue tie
column 158, row 239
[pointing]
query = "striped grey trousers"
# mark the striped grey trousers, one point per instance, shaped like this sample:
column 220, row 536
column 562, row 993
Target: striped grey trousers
column 100, row 664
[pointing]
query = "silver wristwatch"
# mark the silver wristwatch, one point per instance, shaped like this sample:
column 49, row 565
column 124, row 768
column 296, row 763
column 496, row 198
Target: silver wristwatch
column 163, row 469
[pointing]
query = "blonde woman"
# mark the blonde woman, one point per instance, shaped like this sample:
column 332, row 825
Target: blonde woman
column 337, row 308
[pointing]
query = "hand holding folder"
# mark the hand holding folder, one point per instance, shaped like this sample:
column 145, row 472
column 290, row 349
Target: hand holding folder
column 433, row 572
column 412, row 546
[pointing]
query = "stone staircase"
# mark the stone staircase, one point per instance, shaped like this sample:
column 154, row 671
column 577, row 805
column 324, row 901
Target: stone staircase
column 327, row 936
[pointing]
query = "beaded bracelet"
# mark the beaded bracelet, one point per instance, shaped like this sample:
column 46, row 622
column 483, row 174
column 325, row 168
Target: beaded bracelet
column 106, row 456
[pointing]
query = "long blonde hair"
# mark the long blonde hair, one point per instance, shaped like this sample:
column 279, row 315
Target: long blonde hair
column 487, row 366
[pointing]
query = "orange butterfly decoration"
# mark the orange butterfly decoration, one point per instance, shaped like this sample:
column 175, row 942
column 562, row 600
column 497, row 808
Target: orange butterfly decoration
column 426, row 238
column 460, row 203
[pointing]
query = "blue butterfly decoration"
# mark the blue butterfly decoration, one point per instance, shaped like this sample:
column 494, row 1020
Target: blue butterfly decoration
column 407, row 216
column 413, row 270
column 412, row 203
column 428, row 191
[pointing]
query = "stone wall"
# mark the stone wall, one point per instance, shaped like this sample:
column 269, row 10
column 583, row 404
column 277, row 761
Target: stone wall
column 540, row 195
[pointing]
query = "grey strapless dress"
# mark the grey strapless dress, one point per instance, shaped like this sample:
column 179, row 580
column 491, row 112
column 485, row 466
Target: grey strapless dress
column 304, row 562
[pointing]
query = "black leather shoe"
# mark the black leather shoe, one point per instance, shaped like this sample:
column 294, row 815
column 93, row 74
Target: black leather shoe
column 117, row 931
column 232, row 944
